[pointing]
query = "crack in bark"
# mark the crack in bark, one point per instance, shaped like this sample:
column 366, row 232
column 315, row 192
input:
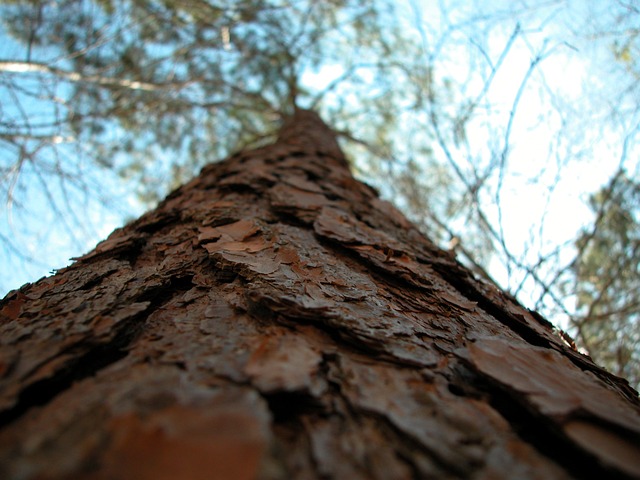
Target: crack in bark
column 92, row 356
column 519, row 324
column 406, row 446
column 43, row 391
column 543, row 435
column 288, row 406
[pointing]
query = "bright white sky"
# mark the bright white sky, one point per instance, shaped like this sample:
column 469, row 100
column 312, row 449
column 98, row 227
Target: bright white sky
column 526, row 206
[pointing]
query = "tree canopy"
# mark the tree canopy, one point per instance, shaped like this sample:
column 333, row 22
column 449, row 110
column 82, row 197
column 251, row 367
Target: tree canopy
column 607, row 279
column 483, row 123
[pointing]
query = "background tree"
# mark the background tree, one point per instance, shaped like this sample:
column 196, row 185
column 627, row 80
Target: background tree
column 423, row 97
column 607, row 276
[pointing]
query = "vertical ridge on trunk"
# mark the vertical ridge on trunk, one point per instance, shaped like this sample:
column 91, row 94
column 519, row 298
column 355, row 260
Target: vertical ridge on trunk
column 273, row 318
column 305, row 129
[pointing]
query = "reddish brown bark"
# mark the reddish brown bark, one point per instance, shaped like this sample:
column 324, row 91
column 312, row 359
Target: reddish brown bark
column 274, row 318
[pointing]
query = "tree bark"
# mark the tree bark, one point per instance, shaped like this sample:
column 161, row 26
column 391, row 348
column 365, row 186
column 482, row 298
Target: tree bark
column 274, row 318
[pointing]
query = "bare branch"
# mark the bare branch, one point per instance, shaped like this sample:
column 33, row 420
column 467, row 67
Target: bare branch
column 14, row 66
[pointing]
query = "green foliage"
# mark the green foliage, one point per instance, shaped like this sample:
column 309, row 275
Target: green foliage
column 608, row 280
column 191, row 81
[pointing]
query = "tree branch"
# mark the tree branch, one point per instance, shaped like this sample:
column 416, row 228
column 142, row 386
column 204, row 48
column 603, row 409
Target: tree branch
column 13, row 66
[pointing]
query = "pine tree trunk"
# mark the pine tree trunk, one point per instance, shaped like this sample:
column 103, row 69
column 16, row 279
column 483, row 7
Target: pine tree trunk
column 275, row 319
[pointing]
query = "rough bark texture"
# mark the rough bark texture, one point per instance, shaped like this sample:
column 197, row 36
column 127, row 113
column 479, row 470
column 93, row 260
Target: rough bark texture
column 275, row 319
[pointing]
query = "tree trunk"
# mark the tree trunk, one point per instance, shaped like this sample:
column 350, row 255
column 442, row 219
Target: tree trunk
column 275, row 319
